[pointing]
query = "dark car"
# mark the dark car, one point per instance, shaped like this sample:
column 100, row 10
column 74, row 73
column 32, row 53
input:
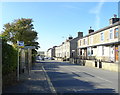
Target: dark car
column 42, row 58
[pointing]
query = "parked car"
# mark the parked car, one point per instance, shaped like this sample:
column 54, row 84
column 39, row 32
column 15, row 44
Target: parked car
column 51, row 58
column 45, row 57
column 42, row 58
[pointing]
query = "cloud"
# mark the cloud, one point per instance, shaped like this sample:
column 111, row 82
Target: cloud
column 96, row 10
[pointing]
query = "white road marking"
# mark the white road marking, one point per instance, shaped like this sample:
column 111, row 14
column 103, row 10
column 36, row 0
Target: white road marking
column 103, row 79
column 49, row 82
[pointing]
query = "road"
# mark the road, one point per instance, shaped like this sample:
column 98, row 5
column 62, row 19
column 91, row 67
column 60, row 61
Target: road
column 70, row 78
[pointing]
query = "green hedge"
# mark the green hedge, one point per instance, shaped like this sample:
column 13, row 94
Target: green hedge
column 9, row 58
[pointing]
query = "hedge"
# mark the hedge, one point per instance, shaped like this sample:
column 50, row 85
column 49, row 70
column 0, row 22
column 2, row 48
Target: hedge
column 9, row 58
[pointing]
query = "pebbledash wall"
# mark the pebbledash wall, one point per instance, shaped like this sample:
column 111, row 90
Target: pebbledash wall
column 100, row 48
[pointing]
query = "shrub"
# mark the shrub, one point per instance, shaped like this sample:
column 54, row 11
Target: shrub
column 9, row 58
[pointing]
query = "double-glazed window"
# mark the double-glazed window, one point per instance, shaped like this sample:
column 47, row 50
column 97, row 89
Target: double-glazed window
column 91, row 52
column 84, row 41
column 111, row 34
column 80, row 42
column 116, row 33
column 102, row 36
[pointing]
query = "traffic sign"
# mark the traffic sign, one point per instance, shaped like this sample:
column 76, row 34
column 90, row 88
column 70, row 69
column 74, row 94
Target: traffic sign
column 20, row 44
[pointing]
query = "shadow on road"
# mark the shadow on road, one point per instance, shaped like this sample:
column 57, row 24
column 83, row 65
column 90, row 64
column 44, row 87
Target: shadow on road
column 65, row 82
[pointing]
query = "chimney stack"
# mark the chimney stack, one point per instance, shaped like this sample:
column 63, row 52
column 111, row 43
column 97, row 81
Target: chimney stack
column 90, row 30
column 114, row 19
column 80, row 34
column 70, row 37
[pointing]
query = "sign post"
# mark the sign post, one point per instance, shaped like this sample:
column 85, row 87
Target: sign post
column 18, row 66
column 20, row 45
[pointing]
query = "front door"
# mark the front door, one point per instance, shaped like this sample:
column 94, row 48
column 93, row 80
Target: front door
column 116, row 53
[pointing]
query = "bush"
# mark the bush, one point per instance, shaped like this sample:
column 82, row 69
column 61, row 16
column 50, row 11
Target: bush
column 9, row 58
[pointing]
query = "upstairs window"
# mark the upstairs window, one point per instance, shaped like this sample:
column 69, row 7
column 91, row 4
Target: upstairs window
column 89, row 40
column 102, row 36
column 84, row 41
column 116, row 32
column 80, row 42
column 111, row 34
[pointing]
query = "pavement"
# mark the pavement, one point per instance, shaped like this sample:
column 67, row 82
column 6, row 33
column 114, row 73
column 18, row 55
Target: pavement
column 35, row 83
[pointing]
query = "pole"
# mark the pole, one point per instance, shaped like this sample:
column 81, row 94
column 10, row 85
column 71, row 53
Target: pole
column 29, row 60
column 18, row 66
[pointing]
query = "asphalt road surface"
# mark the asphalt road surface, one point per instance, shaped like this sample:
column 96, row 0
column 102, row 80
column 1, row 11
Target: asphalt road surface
column 70, row 78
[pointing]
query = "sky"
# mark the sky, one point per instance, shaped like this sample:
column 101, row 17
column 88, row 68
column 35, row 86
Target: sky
column 56, row 21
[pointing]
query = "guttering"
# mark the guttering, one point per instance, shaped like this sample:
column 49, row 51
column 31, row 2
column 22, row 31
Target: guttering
column 105, row 44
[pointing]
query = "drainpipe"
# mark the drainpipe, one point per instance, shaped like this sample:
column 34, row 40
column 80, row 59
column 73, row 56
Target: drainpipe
column 0, row 66
column 119, row 49
column 119, row 57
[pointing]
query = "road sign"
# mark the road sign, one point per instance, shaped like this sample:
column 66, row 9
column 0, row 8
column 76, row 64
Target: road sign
column 20, row 44
column 29, row 47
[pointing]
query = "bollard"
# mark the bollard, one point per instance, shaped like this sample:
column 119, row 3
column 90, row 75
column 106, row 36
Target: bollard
column 95, row 63
column 100, row 64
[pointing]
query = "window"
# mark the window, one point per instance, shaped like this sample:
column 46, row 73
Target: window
column 91, row 51
column 89, row 40
column 111, row 34
column 84, row 41
column 116, row 33
column 80, row 52
column 80, row 42
column 88, row 51
column 102, row 36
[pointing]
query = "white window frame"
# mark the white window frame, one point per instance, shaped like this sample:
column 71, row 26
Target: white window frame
column 111, row 34
column 84, row 41
column 102, row 36
column 115, row 33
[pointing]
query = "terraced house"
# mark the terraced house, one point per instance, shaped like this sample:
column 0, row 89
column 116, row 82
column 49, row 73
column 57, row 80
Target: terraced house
column 68, row 49
column 101, row 45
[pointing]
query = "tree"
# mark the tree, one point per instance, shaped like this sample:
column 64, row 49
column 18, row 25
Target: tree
column 21, row 30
